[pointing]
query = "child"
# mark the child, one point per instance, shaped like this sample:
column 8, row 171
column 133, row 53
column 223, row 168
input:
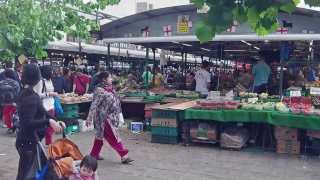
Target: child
column 87, row 169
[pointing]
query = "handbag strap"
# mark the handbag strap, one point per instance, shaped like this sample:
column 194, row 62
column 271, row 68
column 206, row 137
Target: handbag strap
column 44, row 87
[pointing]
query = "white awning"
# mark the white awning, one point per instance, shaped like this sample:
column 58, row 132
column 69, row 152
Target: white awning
column 191, row 38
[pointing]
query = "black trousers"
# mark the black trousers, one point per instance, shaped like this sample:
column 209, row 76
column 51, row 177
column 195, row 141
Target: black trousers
column 28, row 160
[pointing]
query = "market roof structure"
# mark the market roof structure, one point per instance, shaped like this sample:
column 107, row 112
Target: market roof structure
column 173, row 29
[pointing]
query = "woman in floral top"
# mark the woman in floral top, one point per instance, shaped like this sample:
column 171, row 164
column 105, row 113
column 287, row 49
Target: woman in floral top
column 104, row 113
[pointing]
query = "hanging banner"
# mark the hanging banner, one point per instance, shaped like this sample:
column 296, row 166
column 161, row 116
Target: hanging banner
column 184, row 24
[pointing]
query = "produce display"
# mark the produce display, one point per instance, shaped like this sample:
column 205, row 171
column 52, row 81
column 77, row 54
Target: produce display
column 187, row 94
column 218, row 104
column 163, row 91
column 71, row 98
column 299, row 105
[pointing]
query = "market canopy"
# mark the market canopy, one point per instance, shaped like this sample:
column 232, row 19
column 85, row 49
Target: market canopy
column 173, row 29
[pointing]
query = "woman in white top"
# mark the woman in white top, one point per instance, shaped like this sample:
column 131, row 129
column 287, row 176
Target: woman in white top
column 45, row 90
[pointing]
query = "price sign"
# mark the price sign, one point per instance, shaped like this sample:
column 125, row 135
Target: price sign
column 253, row 100
column 314, row 91
column 295, row 93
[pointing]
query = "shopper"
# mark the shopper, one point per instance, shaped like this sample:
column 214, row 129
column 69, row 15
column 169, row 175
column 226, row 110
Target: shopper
column 58, row 81
column 245, row 78
column 45, row 90
column 9, row 91
column 147, row 77
column 81, row 83
column 33, row 119
column 203, row 79
column 105, row 114
column 158, row 78
column 261, row 72
column 67, row 81
column 94, row 79
column 190, row 81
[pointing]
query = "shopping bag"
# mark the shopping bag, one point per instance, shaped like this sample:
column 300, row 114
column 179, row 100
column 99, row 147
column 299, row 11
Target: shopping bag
column 58, row 107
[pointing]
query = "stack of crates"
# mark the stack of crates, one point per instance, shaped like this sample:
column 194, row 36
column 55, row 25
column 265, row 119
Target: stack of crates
column 314, row 139
column 70, row 118
column 148, row 115
column 287, row 140
column 165, row 126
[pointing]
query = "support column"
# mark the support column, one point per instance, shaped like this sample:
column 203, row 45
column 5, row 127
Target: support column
column 145, row 67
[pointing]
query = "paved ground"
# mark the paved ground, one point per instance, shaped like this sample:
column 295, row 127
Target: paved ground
column 176, row 162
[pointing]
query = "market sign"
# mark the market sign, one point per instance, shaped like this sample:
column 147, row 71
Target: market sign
column 184, row 24
column 315, row 91
column 295, row 93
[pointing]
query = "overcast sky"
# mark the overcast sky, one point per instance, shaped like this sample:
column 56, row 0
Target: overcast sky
column 128, row 7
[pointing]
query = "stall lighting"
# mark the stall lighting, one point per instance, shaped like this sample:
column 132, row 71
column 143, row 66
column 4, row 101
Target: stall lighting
column 234, row 50
column 206, row 49
column 184, row 44
column 245, row 42
column 189, row 45
column 256, row 47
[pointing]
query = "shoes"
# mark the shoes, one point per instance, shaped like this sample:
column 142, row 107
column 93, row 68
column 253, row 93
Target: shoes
column 10, row 131
column 126, row 160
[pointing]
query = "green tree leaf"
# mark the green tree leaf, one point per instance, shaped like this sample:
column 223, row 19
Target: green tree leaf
column 204, row 32
column 198, row 3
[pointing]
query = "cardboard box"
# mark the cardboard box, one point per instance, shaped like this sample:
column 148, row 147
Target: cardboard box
column 283, row 133
column 288, row 147
column 204, row 134
column 313, row 134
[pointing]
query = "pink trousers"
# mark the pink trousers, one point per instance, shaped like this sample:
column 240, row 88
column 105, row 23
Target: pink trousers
column 112, row 140
column 50, row 131
column 7, row 114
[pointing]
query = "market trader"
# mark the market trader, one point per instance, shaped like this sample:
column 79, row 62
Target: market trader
column 261, row 72
column 203, row 79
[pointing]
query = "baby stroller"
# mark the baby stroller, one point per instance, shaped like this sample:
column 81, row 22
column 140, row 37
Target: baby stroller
column 58, row 164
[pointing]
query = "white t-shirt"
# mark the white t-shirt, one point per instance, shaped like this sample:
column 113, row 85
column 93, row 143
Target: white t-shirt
column 202, row 78
column 48, row 101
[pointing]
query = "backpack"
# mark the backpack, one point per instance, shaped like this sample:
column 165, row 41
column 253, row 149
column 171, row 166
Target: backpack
column 9, row 91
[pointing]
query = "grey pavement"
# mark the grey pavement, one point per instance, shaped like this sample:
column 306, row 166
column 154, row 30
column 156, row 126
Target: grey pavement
column 177, row 162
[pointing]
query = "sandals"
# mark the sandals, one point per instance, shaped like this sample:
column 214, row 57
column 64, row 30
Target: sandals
column 126, row 160
column 100, row 158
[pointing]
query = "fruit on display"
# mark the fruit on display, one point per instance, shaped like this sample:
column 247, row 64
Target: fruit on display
column 299, row 105
column 250, row 106
column 187, row 94
column 263, row 95
column 247, row 94
column 269, row 106
column 282, row 107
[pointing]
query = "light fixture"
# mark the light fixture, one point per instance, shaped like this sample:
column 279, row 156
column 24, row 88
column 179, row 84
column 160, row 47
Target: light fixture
column 205, row 49
column 189, row 45
column 184, row 44
column 235, row 50
column 257, row 48
column 245, row 42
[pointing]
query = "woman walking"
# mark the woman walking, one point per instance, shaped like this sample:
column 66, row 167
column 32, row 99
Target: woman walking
column 104, row 113
column 45, row 90
column 33, row 118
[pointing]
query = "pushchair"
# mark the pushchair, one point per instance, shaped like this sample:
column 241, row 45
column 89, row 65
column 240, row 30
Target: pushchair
column 57, row 162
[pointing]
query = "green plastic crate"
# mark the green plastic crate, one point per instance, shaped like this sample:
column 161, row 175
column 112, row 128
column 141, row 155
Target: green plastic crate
column 166, row 114
column 70, row 107
column 69, row 115
column 164, row 139
column 72, row 129
column 164, row 131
